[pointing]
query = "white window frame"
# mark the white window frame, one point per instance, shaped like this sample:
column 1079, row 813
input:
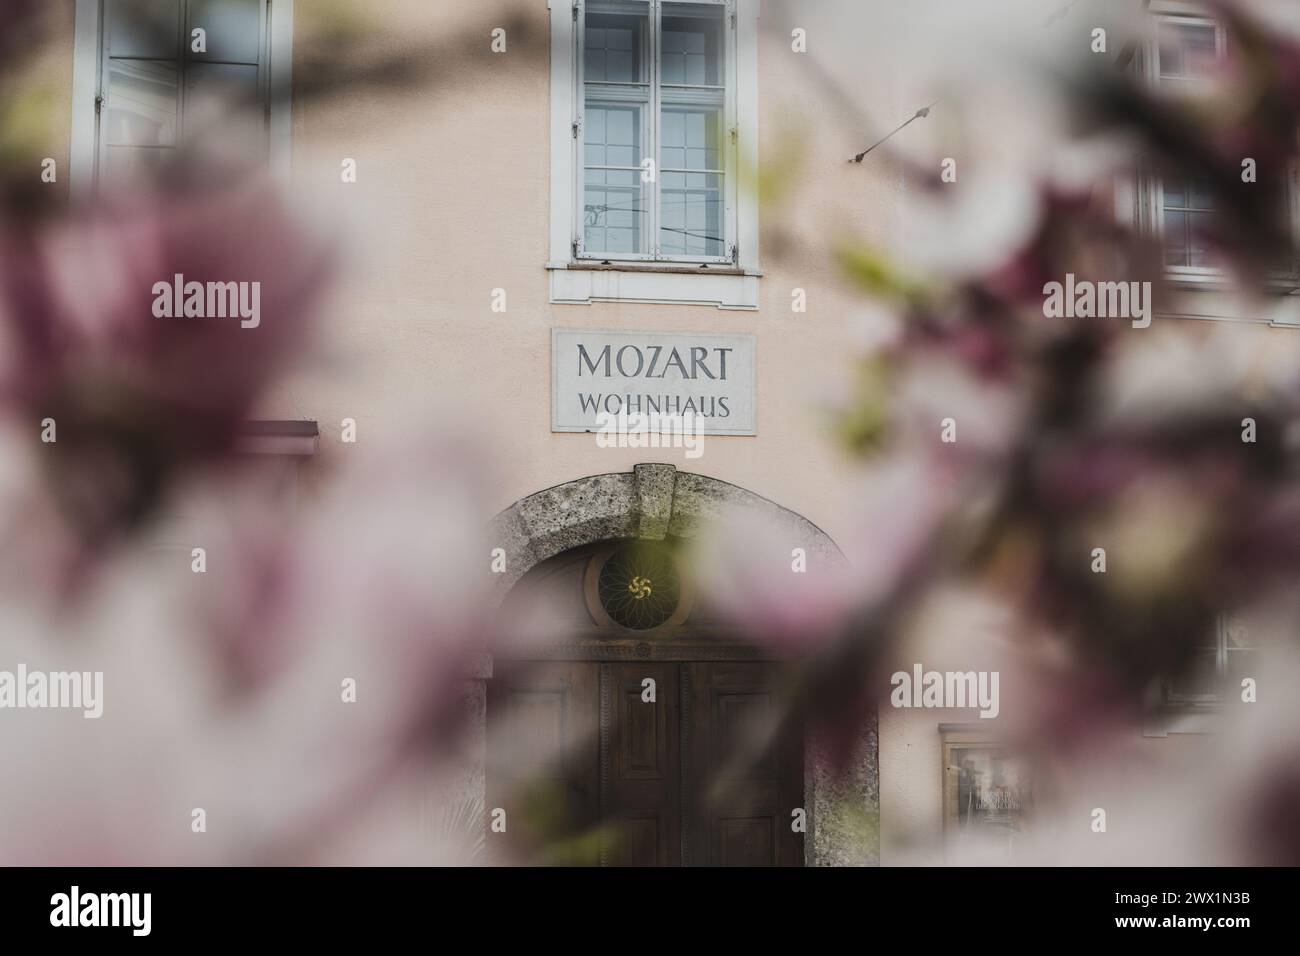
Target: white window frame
column 89, row 85
column 729, row 281
column 1140, row 200
column 1154, row 188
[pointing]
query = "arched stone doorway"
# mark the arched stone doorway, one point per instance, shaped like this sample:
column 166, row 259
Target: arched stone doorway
column 571, row 533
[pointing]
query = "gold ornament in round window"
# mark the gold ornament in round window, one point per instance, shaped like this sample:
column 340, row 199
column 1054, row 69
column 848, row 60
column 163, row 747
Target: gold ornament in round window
column 639, row 586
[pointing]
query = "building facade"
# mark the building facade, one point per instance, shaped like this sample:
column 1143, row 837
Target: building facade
column 562, row 212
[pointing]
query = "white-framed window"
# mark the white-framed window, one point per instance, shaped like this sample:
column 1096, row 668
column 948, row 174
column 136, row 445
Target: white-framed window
column 1188, row 47
column 654, row 132
column 153, row 78
column 654, row 115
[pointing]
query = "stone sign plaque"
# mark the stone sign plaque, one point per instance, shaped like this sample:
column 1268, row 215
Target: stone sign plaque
column 656, row 378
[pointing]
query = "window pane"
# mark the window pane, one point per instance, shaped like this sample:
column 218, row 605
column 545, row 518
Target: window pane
column 691, row 203
column 222, row 107
column 1187, row 194
column 135, row 164
column 594, row 144
column 1187, row 206
column 613, row 135
column 233, row 29
column 1186, row 49
column 690, row 215
column 1198, row 245
column 141, row 108
column 143, row 28
column 691, row 138
column 614, row 204
column 613, row 212
column 1201, row 197
column 690, row 50
column 614, row 45
column 1201, row 679
column 1175, row 238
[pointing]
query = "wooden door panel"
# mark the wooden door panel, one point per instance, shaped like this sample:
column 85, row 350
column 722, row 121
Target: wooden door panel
column 743, row 781
column 640, row 766
column 543, row 767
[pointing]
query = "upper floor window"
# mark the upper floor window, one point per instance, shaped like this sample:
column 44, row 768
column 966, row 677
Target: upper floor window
column 655, row 131
column 1188, row 49
column 170, row 77
column 654, row 109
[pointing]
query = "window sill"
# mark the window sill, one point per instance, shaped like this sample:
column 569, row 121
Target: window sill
column 724, row 287
column 1215, row 297
column 1278, row 283
column 1185, row 718
column 676, row 268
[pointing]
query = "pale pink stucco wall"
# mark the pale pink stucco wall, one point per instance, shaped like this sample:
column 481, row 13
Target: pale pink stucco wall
column 452, row 202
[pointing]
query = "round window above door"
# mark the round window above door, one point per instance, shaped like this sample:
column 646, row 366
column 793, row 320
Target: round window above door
column 637, row 585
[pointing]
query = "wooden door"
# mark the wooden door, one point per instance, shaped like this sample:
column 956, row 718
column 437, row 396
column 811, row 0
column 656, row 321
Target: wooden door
column 744, row 770
column 596, row 773
column 641, row 781
column 542, row 763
